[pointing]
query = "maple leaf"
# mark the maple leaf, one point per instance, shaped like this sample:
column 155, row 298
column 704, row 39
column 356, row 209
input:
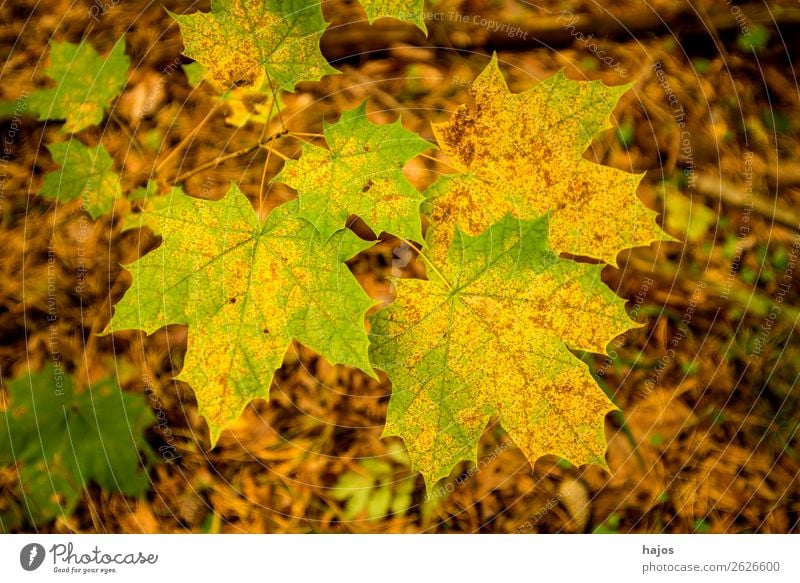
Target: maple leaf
column 490, row 333
column 239, row 39
column 408, row 10
column 62, row 440
column 522, row 153
column 360, row 174
column 85, row 172
column 246, row 289
column 86, row 84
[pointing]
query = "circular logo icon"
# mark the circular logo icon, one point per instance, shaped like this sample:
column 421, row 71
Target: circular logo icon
column 31, row 556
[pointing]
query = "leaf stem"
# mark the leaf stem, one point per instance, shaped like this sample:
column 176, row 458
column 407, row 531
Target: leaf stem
column 441, row 162
column 429, row 263
column 275, row 99
column 261, row 195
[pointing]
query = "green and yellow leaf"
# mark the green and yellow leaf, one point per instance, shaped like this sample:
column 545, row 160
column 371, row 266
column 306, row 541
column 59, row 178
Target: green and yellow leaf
column 408, row 10
column 85, row 173
column 490, row 334
column 246, row 289
column 239, row 39
column 85, row 84
column 361, row 173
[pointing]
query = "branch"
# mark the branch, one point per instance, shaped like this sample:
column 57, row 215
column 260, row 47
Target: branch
column 550, row 29
column 728, row 193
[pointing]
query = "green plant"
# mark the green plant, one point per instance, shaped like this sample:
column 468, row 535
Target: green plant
column 61, row 439
column 492, row 329
column 371, row 491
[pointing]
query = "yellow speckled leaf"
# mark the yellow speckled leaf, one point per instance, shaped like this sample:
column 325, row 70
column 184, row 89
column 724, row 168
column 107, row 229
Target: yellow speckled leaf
column 490, row 334
column 246, row 289
column 522, row 154
column 239, row 39
column 409, row 10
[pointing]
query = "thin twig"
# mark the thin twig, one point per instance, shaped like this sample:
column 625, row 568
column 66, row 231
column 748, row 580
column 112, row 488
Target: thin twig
column 280, row 155
column 723, row 190
column 132, row 138
column 189, row 137
column 214, row 162
column 220, row 159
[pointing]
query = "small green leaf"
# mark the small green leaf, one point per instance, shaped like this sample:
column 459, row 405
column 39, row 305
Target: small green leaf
column 564, row 464
column 195, row 72
column 776, row 121
column 589, row 64
column 780, row 258
column 379, row 503
column 690, row 368
column 373, row 494
column 610, row 526
column 701, row 526
column 685, row 217
column 62, row 440
column 86, row 84
column 747, row 275
column 701, row 65
column 756, row 38
column 360, row 174
column 144, row 192
column 626, row 135
column 86, row 173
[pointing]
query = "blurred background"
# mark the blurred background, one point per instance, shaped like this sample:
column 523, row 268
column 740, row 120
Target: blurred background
column 707, row 437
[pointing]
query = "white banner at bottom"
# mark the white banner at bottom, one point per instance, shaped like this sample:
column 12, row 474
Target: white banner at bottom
column 399, row 558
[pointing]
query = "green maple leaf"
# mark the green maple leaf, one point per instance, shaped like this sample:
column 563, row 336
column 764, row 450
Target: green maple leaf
column 86, row 84
column 360, row 174
column 86, row 173
column 490, row 333
column 239, row 39
column 408, row 10
column 62, row 440
column 246, row 289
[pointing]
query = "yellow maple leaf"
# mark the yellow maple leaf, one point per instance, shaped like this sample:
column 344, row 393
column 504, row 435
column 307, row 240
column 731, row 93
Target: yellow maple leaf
column 523, row 154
